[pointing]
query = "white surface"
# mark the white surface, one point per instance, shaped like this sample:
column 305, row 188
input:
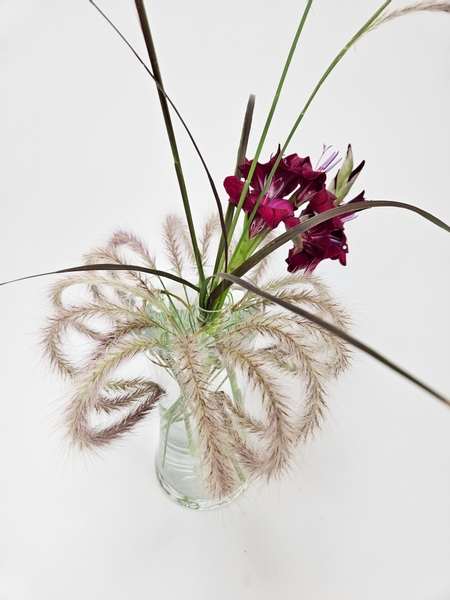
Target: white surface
column 365, row 514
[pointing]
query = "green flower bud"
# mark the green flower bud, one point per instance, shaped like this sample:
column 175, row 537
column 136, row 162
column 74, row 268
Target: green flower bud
column 345, row 177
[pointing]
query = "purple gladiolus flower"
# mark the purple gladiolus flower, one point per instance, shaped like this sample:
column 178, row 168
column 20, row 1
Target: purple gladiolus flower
column 320, row 242
column 326, row 240
column 296, row 185
column 291, row 173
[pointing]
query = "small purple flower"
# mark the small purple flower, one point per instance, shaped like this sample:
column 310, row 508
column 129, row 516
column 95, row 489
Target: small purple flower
column 327, row 163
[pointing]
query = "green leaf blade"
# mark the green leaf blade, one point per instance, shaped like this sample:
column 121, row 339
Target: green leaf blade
column 335, row 331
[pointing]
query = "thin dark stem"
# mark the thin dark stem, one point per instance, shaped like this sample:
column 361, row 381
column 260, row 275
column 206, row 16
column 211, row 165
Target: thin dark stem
column 288, row 235
column 265, row 132
column 180, row 118
column 170, row 132
column 108, row 267
column 335, row 331
column 245, row 134
column 242, row 149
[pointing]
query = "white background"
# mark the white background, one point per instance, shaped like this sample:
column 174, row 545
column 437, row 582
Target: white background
column 365, row 514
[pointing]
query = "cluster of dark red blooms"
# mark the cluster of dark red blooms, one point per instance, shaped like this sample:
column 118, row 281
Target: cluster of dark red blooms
column 295, row 185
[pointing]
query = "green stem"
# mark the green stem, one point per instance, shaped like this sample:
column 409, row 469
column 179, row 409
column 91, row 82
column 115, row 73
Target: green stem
column 337, row 59
column 288, row 235
column 222, row 251
column 169, row 422
column 170, row 132
column 269, row 118
column 321, row 81
column 177, row 112
column 235, row 389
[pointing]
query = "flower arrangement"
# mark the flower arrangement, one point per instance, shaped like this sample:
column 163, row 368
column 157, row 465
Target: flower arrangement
column 238, row 359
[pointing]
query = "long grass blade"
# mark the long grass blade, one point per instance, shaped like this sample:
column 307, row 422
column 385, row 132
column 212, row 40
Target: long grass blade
column 108, row 267
column 270, row 118
column 178, row 114
column 148, row 38
column 222, row 252
column 335, row 331
column 312, row 222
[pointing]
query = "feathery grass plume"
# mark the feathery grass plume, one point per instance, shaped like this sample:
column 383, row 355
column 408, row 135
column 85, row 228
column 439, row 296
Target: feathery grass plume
column 211, row 230
column 248, row 427
column 73, row 318
column 290, row 351
column 245, row 457
column 308, row 290
column 123, row 247
column 306, row 367
column 178, row 246
column 113, row 253
column 93, row 391
column 124, row 240
column 129, row 294
column 215, row 447
column 276, row 447
column 245, row 421
column 430, row 6
column 336, row 358
column 123, row 393
column 313, row 293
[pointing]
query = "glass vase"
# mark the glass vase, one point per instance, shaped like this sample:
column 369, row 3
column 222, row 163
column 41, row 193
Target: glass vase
column 179, row 462
column 180, row 458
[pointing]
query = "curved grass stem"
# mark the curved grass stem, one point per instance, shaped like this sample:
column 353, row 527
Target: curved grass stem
column 364, row 29
column 170, row 132
column 270, row 117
